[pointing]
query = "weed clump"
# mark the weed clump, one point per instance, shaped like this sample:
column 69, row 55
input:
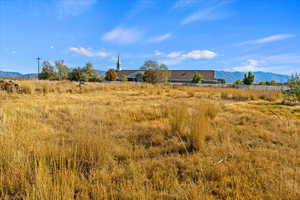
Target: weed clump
column 10, row 86
column 192, row 126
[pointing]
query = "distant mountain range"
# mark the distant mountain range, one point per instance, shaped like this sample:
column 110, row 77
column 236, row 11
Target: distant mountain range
column 259, row 76
column 16, row 75
column 228, row 76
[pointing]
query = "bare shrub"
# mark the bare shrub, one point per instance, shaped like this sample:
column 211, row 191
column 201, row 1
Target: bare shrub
column 10, row 86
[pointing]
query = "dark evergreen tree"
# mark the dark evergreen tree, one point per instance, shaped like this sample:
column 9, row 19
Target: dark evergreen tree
column 248, row 78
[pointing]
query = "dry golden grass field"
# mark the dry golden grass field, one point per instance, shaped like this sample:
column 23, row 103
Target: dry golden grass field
column 141, row 141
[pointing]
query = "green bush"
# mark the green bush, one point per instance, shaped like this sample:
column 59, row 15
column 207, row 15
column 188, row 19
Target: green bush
column 292, row 95
column 269, row 83
column 77, row 75
column 238, row 82
column 197, row 78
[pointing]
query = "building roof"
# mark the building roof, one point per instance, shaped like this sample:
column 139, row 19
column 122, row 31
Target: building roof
column 180, row 75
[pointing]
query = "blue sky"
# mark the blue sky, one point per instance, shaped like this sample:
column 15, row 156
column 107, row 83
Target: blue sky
column 231, row 35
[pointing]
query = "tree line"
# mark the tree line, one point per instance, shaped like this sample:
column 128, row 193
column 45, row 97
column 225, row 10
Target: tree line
column 153, row 72
column 60, row 71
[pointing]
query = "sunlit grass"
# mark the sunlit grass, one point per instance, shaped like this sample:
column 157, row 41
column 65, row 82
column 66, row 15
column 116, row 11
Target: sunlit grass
column 141, row 141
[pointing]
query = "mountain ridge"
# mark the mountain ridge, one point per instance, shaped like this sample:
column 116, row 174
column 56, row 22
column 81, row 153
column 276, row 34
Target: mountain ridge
column 259, row 76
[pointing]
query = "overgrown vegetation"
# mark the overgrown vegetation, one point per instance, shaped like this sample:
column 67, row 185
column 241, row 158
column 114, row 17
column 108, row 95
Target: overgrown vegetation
column 61, row 72
column 155, row 73
column 248, row 78
column 238, row 82
column 144, row 141
column 111, row 75
column 292, row 95
column 197, row 78
column 269, row 83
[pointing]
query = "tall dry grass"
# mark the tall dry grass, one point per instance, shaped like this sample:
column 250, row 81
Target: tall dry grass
column 139, row 141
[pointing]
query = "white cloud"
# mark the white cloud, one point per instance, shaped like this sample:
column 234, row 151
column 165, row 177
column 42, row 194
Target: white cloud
column 73, row 7
column 177, row 57
column 122, row 35
column 250, row 65
column 175, row 61
column 89, row 52
column 200, row 54
column 213, row 11
column 170, row 55
column 174, row 55
column 269, row 39
column 160, row 38
column 195, row 54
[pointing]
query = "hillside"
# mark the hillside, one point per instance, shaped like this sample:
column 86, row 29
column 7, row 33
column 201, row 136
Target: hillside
column 259, row 76
column 4, row 74
column 142, row 141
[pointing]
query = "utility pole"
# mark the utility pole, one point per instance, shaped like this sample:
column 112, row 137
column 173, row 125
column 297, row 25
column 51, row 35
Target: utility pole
column 38, row 60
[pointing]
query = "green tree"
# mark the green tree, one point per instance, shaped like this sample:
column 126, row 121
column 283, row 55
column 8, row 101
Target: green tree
column 248, row 78
column 86, row 73
column 150, row 65
column 292, row 95
column 155, row 72
column 89, row 70
column 48, row 72
column 273, row 83
column 77, row 74
column 197, row 78
column 238, row 82
column 62, row 70
column 96, row 78
column 111, row 75
column 262, row 83
column 91, row 74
